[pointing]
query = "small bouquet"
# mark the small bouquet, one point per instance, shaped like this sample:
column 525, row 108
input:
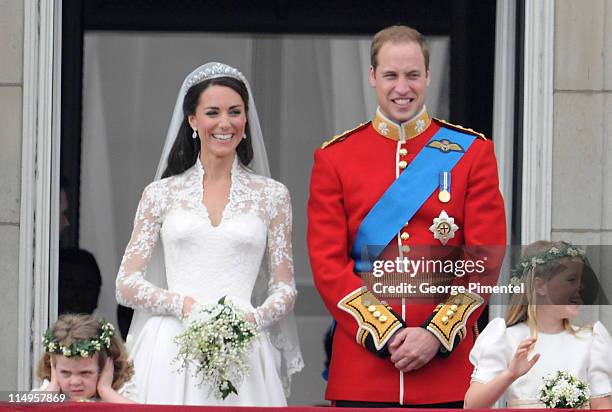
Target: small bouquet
column 216, row 341
column 564, row 390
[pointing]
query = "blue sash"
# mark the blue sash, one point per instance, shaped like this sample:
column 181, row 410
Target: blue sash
column 405, row 196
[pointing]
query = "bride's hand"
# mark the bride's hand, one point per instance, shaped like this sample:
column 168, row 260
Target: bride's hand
column 188, row 303
column 250, row 316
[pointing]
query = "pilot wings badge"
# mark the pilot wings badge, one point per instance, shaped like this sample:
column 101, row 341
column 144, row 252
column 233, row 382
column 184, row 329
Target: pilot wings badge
column 445, row 146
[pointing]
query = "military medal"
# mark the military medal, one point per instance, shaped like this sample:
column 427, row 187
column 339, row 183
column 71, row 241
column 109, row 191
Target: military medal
column 445, row 182
column 443, row 227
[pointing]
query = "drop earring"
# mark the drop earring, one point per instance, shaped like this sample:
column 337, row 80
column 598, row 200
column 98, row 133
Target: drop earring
column 244, row 136
column 195, row 134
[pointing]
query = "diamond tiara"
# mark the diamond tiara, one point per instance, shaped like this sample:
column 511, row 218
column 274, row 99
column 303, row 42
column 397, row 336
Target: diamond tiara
column 213, row 70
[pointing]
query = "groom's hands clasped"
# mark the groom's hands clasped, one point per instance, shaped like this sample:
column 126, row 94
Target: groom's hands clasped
column 412, row 348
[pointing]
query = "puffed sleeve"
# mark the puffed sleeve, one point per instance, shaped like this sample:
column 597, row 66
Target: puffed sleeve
column 489, row 352
column 43, row 387
column 600, row 362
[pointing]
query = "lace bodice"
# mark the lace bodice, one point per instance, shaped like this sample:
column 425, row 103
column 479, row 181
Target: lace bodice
column 205, row 261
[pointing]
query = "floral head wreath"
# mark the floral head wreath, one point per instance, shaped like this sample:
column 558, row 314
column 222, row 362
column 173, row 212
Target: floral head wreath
column 80, row 348
column 553, row 254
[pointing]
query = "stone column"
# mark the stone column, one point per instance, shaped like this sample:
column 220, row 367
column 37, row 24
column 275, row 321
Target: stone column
column 11, row 81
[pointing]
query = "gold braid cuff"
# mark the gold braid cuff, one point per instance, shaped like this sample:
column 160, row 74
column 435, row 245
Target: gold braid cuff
column 449, row 319
column 374, row 319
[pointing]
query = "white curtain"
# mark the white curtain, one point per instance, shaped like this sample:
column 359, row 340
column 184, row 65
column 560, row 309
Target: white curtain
column 307, row 89
column 98, row 216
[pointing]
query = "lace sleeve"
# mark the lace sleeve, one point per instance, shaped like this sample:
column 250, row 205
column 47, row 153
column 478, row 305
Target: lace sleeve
column 281, row 287
column 132, row 288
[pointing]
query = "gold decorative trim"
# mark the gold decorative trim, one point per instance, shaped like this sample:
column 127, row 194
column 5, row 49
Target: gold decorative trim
column 392, row 130
column 362, row 334
column 461, row 128
column 340, row 137
column 450, row 320
column 371, row 316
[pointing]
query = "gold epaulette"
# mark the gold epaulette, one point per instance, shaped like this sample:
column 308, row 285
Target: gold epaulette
column 374, row 318
column 340, row 137
column 461, row 128
column 449, row 318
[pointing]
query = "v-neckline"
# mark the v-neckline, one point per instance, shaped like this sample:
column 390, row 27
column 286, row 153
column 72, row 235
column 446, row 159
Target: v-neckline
column 208, row 215
column 229, row 194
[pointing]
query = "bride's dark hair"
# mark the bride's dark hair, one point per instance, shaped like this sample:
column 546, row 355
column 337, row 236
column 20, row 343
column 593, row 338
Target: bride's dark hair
column 185, row 149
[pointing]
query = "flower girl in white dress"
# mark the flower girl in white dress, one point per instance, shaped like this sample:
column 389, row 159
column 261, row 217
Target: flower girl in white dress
column 512, row 357
column 214, row 225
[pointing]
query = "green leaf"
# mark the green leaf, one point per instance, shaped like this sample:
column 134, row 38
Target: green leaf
column 230, row 389
column 222, row 300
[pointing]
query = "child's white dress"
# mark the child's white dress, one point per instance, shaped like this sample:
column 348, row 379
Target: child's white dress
column 586, row 355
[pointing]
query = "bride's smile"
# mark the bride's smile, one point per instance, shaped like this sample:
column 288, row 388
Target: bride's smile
column 220, row 119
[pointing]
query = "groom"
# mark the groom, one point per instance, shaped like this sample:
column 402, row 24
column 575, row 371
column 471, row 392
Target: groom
column 400, row 180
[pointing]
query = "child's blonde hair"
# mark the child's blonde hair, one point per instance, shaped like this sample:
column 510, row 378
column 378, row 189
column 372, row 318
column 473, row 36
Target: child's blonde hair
column 523, row 307
column 70, row 328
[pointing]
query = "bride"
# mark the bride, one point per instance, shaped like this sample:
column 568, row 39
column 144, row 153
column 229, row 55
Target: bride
column 214, row 225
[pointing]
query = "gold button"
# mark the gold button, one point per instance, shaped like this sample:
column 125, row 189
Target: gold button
column 450, row 314
column 405, row 236
column 405, row 248
column 403, row 152
column 372, row 308
column 402, row 164
column 376, row 314
column 454, row 307
column 382, row 319
column 445, row 320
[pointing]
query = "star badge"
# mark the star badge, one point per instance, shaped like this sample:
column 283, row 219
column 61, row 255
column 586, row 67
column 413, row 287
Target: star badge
column 443, row 227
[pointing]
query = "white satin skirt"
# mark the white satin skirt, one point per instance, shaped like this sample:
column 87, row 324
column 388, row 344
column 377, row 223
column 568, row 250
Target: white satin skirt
column 158, row 381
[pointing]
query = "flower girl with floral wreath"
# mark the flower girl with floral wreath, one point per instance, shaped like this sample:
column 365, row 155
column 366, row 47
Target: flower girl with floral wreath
column 86, row 361
column 536, row 357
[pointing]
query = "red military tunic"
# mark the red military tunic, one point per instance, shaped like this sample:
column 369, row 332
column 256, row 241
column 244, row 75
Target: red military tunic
column 349, row 175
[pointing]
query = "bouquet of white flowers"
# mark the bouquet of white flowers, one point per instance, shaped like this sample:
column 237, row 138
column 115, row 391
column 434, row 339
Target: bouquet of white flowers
column 216, row 341
column 564, row 390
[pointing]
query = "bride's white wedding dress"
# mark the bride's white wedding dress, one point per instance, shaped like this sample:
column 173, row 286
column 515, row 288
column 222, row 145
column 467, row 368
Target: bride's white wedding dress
column 207, row 262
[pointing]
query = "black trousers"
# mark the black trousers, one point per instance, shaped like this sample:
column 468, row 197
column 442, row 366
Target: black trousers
column 365, row 404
